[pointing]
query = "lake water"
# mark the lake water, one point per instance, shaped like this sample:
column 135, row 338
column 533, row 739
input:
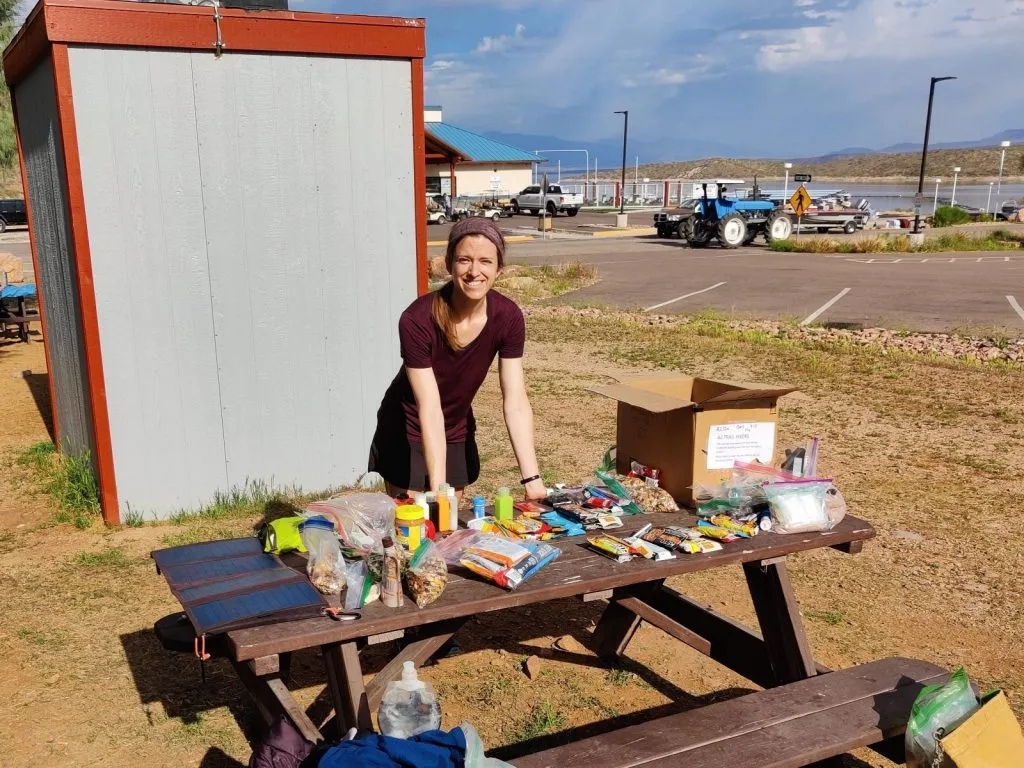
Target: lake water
column 890, row 196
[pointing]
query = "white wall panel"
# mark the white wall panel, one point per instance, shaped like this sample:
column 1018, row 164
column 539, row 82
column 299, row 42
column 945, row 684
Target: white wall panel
column 252, row 227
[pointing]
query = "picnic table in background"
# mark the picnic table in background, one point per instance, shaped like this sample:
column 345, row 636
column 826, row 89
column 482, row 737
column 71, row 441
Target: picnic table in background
column 20, row 315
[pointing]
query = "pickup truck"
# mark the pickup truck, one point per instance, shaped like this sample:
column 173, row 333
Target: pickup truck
column 531, row 199
column 12, row 212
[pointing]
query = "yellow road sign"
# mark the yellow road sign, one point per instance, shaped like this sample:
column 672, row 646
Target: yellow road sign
column 800, row 201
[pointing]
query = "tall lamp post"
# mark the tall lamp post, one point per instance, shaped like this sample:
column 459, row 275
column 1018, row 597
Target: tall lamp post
column 785, row 188
column 935, row 201
column 956, row 173
column 989, row 203
column 1002, row 158
column 622, row 189
column 924, row 149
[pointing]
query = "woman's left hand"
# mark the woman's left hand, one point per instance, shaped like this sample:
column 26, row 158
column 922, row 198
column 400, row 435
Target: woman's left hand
column 535, row 490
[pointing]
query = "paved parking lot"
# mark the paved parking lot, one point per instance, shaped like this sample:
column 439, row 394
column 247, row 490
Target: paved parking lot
column 929, row 292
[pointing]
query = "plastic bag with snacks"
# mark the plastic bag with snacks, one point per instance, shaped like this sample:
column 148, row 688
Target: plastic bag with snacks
column 362, row 519
column 427, row 574
column 325, row 566
column 650, row 498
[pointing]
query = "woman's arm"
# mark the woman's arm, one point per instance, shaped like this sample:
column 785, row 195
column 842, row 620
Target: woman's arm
column 428, row 403
column 519, row 421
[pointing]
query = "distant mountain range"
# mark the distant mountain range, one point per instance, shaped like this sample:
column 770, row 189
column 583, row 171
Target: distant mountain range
column 608, row 152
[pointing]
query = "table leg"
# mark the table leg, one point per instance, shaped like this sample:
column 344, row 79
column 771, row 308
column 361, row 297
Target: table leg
column 23, row 327
column 345, row 684
column 618, row 624
column 274, row 700
column 779, row 617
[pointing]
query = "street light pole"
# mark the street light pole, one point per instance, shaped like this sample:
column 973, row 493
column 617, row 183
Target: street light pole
column 935, row 202
column 924, row 149
column 989, row 203
column 785, row 189
column 1002, row 158
column 625, row 138
column 956, row 172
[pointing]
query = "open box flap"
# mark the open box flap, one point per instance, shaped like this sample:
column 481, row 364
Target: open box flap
column 748, row 393
column 649, row 401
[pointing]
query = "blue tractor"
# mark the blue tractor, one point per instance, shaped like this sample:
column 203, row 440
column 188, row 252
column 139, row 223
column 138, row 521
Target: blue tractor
column 733, row 222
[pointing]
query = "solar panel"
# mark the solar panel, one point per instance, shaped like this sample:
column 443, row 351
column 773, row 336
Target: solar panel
column 207, row 550
column 231, row 584
column 278, row 602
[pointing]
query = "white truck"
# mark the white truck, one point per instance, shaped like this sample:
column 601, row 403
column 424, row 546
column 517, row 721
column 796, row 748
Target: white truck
column 533, row 200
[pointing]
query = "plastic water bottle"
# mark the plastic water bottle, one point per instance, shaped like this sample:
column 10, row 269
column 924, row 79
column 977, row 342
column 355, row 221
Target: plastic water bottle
column 409, row 706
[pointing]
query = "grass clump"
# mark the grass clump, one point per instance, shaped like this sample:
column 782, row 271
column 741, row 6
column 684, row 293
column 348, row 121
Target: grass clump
column 948, row 215
column 112, row 557
column 999, row 240
column 529, row 284
column 68, row 478
column 543, row 719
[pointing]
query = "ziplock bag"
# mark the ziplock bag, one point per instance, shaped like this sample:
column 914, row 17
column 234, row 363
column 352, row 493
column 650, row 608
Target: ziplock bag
column 799, row 506
column 937, row 710
column 325, row 566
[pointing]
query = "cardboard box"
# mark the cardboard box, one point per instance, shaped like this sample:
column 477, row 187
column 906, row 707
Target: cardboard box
column 693, row 429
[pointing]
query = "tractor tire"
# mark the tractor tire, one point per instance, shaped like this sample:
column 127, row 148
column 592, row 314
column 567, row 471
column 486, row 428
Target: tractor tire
column 571, row 211
column 850, row 227
column 732, row 230
column 515, row 207
column 779, row 227
column 691, row 236
column 751, row 236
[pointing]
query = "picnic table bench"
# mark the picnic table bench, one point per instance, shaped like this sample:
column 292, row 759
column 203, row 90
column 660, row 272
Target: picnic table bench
column 21, row 316
column 808, row 712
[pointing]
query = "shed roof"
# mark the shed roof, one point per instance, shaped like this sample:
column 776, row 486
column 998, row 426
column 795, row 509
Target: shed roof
column 477, row 148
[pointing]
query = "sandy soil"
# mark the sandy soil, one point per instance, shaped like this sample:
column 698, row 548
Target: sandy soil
column 927, row 452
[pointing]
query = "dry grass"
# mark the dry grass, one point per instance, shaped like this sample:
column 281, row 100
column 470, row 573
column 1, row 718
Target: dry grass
column 999, row 240
column 529, row 284
column 915, row 445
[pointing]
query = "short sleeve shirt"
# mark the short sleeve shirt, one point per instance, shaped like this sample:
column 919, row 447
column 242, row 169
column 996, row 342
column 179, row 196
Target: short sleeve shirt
column 459, row 374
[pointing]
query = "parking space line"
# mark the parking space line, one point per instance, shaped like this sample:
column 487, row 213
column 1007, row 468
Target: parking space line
column 686, row 296
column 814, row 315
column 1015, row 306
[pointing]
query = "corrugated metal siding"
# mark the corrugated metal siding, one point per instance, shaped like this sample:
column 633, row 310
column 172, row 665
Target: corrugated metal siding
column 253, row 240
column 47, row 190
column 476, row 147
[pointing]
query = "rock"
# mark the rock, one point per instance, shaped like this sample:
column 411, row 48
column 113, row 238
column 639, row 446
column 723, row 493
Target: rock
column 436, row 269
column 532, row 667
column 570, row 644
column 908, row 536
column 52, row 680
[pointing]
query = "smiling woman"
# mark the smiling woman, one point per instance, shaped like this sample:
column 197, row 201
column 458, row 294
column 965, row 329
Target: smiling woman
column 425, row 426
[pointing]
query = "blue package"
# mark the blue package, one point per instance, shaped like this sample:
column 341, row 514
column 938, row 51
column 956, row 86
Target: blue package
column 556, row 520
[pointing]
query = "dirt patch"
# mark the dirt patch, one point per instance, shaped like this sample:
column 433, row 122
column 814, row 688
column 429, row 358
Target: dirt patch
column 918, row 447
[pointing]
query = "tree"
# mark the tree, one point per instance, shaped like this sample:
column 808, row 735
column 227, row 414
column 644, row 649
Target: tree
column 8, row 147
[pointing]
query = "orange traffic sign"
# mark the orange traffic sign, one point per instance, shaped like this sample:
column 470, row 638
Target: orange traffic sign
column 800, row 201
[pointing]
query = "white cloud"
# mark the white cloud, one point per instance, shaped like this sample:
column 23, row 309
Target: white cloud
column 441, row 64
column 903, row 31
column 502, row 43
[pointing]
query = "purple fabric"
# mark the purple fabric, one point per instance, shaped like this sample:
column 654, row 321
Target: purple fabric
column 283, row 747
column 459, row 374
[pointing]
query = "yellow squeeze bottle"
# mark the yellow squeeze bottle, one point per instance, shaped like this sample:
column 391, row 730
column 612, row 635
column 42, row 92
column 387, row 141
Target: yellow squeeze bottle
column 503, row 505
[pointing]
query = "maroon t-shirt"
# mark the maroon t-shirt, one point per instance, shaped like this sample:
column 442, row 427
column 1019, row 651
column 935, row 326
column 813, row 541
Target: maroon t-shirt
column 459, row 374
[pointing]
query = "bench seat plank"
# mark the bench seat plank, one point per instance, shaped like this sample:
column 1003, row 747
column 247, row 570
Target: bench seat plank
column 790, row 725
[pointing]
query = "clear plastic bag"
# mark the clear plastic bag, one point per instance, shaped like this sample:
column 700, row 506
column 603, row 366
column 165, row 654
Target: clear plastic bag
column 937, row 711
column 325, row 566
column 475, row 757
column 427, row 575
column 362, row 519
column 799, row 506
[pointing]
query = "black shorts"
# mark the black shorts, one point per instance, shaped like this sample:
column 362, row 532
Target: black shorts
column 401, row 463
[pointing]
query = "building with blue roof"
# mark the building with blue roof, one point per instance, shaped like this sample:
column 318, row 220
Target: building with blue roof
column 461, row 162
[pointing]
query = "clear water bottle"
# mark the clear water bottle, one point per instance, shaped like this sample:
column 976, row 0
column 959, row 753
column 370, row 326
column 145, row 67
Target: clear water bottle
column 409, row 706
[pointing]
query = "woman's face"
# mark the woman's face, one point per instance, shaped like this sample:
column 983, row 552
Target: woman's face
column 475, row 266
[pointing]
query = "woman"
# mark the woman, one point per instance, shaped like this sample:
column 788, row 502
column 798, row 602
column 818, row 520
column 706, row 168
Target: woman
column 425, row 427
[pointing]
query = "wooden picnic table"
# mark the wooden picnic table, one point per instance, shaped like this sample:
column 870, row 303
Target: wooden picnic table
column 20, row 317
column 635, row 591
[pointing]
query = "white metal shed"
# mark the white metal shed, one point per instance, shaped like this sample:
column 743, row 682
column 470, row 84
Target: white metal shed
column 226, row 221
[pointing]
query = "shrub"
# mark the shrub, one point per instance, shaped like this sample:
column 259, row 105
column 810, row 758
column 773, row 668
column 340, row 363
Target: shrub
column 948, row 215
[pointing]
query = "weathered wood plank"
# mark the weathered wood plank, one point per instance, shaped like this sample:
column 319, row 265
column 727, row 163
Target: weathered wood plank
column 779, row 618
column 345, row 685
column 274, row 700
column 266, row 665
column 779, row 727
column 578, row 571
column 658, row 619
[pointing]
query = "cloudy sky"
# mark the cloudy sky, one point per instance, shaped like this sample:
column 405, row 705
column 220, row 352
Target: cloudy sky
column 762, row 77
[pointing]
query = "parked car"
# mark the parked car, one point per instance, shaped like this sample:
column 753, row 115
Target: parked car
column 1009, row 210
column 532, row 199
column 12, row 212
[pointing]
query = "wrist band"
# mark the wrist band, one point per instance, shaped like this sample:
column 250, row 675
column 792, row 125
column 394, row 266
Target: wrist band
column 528, row 480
